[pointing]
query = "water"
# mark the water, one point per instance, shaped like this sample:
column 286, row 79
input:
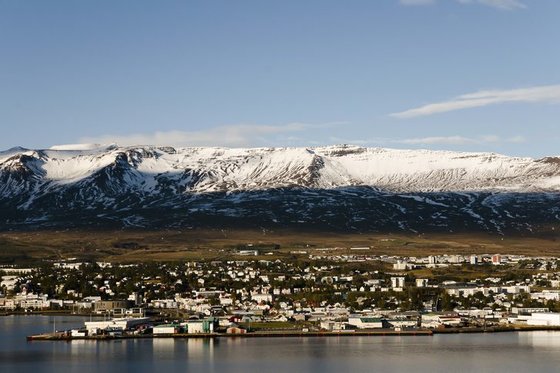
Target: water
column 501, row 352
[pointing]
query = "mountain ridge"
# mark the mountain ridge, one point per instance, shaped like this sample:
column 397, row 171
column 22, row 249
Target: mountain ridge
column 335, row 187
column 325, row 167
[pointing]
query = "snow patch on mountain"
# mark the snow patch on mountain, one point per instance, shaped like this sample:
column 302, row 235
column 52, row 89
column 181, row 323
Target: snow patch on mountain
column 150, row 169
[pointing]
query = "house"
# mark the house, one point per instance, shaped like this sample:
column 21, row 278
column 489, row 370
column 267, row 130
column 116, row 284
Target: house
column 402, row 265
column 261, row 298
column 496, row 259
column 7, row 304
column 34, row 301
column 9, row 282
column 331, row 325
column 164, row 303
column 128, row 312
column 397, row 283
column 108, row 306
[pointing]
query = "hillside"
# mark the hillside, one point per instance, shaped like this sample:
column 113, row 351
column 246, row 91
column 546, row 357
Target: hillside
column 336, row 188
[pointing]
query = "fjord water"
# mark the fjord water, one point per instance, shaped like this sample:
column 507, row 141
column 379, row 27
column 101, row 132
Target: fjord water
column 500, row 352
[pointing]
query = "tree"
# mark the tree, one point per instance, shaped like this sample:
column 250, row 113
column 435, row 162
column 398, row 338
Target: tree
column 447, row 303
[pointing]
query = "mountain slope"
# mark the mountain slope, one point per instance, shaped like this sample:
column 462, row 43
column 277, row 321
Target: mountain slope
column 337, row 187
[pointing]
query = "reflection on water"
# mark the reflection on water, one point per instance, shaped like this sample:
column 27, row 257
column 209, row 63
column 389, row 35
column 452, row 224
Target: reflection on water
column 500, row 352
column 544, row 340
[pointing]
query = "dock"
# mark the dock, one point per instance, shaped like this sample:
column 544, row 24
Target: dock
column 269, row 334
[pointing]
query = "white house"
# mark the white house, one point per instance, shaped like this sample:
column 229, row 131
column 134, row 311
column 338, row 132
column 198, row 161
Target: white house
column 397, row 283
column 9, row 282
column 261, row 297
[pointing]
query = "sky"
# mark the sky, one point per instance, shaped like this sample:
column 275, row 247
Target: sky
column 464, row 75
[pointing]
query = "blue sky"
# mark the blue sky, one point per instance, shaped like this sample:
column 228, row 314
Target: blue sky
column 474, row 75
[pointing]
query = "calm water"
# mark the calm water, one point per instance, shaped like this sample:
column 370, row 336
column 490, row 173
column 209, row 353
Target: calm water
column 503, row 352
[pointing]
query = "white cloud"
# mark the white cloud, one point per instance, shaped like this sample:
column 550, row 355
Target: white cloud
column 431, row 140
column 238, row 135
column 460, row 140
column 504, row 4
column 548, row 94
column 498, row 4
column 452, row 140
column 516, row 139
column 362, row 141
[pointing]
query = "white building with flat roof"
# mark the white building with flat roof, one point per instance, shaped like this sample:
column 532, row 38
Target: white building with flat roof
column 362, row 322
column 166, row 329
column 544, row 319
column 93, row 327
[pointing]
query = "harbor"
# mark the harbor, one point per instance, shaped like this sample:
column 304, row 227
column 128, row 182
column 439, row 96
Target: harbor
column 141, row 328
column 266, row 353
column 67, row 337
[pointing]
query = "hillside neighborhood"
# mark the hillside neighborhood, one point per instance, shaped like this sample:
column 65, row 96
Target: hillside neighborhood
column 313, row 292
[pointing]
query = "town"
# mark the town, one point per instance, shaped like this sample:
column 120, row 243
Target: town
column 328, row 290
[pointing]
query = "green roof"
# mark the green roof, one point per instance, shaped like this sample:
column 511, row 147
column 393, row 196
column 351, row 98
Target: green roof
column 370, row 319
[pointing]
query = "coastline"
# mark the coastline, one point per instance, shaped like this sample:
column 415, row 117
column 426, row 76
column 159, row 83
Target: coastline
column 49, row 313
column 260, row 334
column 288, row 334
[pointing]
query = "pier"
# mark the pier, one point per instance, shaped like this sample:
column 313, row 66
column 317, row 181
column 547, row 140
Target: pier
column 60, row 336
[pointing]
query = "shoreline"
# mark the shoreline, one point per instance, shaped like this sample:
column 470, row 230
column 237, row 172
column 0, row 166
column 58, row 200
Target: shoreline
column 49, row 313
column 270, row 334
column 496, row 329
column 291, row 334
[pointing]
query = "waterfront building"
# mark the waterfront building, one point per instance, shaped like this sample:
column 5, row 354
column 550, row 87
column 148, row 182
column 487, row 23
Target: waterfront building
column 362, row 322
column 102, row 306
column 95, row 327
column 201, row 326
column 166, row 329
column 435, row 320
column 235, row 330
column 544, row 319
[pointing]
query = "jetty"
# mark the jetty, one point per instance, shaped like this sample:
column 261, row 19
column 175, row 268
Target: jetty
column 63, row 336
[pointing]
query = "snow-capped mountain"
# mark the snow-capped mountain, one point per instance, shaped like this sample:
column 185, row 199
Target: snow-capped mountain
column 344, row 187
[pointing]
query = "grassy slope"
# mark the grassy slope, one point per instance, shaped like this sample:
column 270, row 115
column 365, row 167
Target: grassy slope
column 133, row 246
